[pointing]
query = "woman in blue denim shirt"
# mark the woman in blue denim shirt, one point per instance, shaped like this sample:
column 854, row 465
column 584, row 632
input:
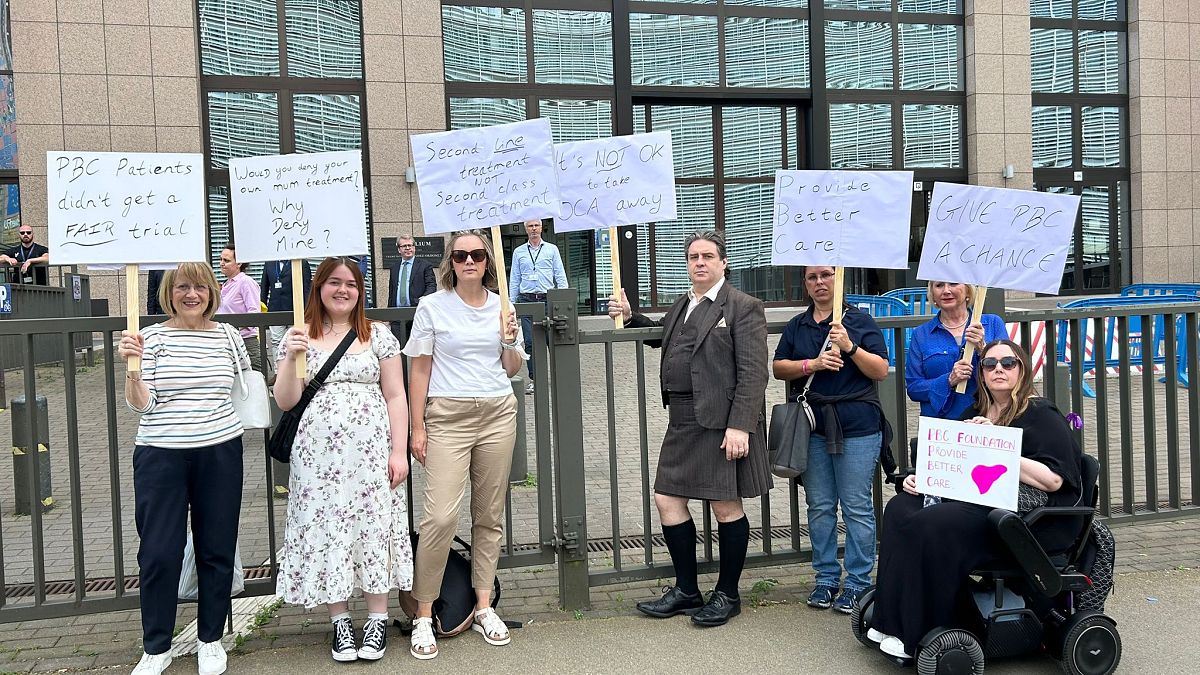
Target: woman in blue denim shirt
column 934, row 363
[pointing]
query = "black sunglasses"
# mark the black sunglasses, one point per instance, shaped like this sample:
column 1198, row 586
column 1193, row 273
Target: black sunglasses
column 459, row 256
column 1005, row 362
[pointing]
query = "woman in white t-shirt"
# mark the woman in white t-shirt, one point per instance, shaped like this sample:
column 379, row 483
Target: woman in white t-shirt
column 464, row 425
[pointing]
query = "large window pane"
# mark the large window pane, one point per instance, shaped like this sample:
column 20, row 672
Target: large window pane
column 878, row 5
column 858, row 55
column 239, row 37
column 10, row 202
column 327, row 122
column 932, row 136
column 572, row 47
column 860, row 135
column 697, row 209
column 1050, row 9
column 1103, row 10
column 1051, row 136
column 1101, row 136
column 767, row 3
column 691, row 130
column 766, row 52
column 324, row 38
column 468, row 113
column 674, row 50
column 1094, row 207
column 1051, row 60
column 931, row 6
column 643, row 237
column 753, row 141
column 1100, row 62
column 8, row 124
column 577, row 120
column 929, row 56
column 748, row 241
column 484, row 44
column 242, row 124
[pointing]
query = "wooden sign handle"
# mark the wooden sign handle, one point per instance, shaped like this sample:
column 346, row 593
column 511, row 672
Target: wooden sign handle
column 839, row 292
column 976, row 315
column 133, row 325
column 615, row 255
column 501, row 276
column 298, row 312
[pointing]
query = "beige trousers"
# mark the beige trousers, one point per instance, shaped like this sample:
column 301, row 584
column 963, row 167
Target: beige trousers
column 468, row 438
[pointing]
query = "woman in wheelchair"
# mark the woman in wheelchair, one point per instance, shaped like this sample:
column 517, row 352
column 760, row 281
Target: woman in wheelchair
column 929, row 546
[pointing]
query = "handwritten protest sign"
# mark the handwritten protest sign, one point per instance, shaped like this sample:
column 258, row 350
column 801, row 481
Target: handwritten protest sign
column 298, row 206
column 842, row 218
column 998, row 237
column 610, row 182
column 121, row 208
column 485, row 177
column 976, row 463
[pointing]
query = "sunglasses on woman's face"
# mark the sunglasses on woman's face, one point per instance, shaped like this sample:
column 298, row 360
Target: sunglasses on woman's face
column 1005, row 362
column 459, row 256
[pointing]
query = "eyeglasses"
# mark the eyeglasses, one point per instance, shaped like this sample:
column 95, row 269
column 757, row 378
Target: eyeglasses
column 824, row 276
column 459, row 256
column 1005, row 362
column 26, row 234
column 184, row 288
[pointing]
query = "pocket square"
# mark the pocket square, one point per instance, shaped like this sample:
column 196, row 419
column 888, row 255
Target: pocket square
column 721, row 323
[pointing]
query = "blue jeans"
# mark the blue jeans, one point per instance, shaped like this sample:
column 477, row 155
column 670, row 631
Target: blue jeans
column 527, row 331
column 844, row 478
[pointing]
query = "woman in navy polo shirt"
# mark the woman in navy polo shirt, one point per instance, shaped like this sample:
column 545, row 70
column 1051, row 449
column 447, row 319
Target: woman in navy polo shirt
column 845, row 363
column 934, row 361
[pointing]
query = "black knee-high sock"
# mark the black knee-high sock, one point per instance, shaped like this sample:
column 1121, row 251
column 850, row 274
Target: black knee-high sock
column 735, row 538
column 681, row 544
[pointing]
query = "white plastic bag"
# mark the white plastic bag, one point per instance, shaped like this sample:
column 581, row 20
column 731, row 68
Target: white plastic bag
column 188, row 583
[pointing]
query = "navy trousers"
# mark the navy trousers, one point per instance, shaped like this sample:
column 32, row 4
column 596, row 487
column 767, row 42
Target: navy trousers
column 166, row 482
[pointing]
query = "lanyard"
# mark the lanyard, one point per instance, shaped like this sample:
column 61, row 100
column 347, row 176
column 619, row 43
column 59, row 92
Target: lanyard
column 533, row 258
column 23, row 254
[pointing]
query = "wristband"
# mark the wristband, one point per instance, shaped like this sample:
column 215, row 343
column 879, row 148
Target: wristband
column 804, row 367
column 852, row 351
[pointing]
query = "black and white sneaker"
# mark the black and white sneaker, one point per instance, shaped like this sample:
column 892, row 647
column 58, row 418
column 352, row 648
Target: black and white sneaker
column 344, row 649
column 374, row 642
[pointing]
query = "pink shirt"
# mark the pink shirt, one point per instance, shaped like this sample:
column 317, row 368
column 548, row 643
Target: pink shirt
column 239, row 295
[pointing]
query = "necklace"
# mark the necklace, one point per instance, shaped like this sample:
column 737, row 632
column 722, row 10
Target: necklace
column 954, row 327
column 329, row 328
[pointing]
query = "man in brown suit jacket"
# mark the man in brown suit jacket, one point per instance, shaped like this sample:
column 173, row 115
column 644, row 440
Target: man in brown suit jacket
column 714, row 380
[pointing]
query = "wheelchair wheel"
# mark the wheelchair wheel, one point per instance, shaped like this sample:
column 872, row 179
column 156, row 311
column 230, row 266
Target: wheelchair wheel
column 860, row 617
column 1091, row 647
column 951, row 652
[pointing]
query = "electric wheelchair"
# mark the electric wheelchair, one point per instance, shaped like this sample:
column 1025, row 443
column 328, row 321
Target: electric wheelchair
column 1030, row 599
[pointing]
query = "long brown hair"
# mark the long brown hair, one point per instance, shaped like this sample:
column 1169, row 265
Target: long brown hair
column 447, row 279
column 1021, row 393
column 314, row 310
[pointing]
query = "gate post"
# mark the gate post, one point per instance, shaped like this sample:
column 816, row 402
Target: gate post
column 569, row 485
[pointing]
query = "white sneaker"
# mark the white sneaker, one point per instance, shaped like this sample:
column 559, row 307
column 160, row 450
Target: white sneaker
column 892, row 646
column 875, row 636
column 152, row 664
column 210, row 658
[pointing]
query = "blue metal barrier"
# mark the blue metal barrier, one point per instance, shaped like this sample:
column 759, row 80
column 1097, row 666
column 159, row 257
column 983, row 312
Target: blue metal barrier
column 916, row 297
column 1142, row 290
column 1138, row 352
column 880, row 306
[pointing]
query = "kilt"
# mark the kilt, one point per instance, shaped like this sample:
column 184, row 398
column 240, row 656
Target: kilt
column 691, row 463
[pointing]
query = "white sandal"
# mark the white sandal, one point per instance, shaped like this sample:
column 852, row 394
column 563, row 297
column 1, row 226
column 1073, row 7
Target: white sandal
column 491, row 627
column 424, row 644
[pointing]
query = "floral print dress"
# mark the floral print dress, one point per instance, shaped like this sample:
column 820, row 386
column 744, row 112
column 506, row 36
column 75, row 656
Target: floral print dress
column 347, row 530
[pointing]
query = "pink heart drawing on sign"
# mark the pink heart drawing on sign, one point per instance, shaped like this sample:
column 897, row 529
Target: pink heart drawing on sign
column 986, row 476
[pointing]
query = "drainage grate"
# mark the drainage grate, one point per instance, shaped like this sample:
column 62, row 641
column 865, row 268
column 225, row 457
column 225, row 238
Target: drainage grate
column 637, row 542
column 102, row 585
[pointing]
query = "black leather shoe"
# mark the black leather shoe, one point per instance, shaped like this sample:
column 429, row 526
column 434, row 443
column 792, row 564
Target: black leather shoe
column 673, row 601
column 718, row 611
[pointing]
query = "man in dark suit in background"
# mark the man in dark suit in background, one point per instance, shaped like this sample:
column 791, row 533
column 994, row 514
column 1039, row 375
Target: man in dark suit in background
column 714, row 381
column 275, row 292
column 411, row 278
column 153, row 281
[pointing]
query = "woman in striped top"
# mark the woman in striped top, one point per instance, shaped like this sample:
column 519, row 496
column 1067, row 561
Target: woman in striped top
column 188, row 454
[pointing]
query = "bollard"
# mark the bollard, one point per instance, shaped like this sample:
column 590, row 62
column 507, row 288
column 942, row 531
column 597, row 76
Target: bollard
column 520, row 459
column 21, row 437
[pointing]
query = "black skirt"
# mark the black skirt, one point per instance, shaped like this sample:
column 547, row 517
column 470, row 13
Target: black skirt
column 692, row 464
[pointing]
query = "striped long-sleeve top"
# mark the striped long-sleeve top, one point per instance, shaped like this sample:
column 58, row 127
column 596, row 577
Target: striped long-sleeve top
column 189, row 374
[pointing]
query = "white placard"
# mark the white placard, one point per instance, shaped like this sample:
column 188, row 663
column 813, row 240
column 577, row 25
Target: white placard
column 997, row 237
column 125, row 207
column 298, row 206
column 842, row 218
column 976, row 463
column 477, row 178
column 607, row 182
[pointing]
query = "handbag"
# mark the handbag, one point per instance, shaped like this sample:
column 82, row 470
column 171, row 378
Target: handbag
column 250, row 399
column 280, row 442
column 787, row 438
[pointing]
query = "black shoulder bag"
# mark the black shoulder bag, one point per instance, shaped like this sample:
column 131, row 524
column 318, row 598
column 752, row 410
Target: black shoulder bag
column 280, row 443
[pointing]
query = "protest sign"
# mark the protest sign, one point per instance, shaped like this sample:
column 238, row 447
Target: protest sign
column 298, row 206
column 842, row 218
column 976, row 463
column 122, row 208
column 998, row 237
column 610, row 182
column 485, row 177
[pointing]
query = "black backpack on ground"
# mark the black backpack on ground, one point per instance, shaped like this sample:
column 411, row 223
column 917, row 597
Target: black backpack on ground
column 454, row 610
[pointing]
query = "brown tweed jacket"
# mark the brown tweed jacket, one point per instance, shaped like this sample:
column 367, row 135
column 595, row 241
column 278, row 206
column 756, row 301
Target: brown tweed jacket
column 729, row 364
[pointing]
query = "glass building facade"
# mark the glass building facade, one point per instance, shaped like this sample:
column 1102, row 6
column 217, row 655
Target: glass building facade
column 10, row 192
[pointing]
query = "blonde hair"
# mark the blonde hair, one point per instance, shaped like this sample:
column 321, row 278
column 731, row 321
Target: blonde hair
column 447, row 279
column 969, row 298
column 193, row 273
column 1021, row 393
